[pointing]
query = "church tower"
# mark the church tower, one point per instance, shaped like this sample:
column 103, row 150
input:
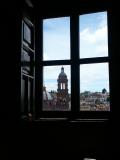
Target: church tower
column 62, row 91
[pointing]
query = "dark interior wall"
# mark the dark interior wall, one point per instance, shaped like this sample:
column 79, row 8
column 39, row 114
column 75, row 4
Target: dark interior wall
column 67, row 139
column 48, row 138
column 10, row 54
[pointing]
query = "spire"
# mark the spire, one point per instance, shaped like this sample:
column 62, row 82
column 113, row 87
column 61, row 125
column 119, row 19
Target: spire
column 62, row 70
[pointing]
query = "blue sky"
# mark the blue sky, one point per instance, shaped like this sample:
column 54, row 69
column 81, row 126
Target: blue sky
column 56, row 39
column 93, row 43
column 93, row 35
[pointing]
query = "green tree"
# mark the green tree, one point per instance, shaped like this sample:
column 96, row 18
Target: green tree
column 104, row 91
column 86, row 93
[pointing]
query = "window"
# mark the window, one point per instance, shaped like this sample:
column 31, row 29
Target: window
column 75, row 48
column 94, row 77
column 93, row 35
column 71, row 66
column 94, row 87
column 56, row 88
column 27, row 69
column 56, row 68
column 56, row 38
column 26, row 33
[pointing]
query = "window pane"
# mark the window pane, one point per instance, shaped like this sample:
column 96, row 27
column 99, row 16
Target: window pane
column 93, row 35
column 56, row 39
column 27, row 96
column 27, row 33
column 94, row 87
column 56, row 88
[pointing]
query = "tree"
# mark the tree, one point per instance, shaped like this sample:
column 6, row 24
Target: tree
column 86, row 93
column 104, row 91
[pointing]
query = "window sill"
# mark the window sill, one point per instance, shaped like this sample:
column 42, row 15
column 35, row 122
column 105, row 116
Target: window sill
column 65, row 120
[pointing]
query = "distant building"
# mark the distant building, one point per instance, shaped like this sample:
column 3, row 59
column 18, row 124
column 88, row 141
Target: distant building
column 94, row 101
column 47, row 99
column 59, row 100
column 62, row 91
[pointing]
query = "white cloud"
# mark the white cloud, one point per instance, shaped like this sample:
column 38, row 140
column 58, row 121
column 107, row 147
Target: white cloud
column 94, row 42
column 93, row 37
column 94, row 77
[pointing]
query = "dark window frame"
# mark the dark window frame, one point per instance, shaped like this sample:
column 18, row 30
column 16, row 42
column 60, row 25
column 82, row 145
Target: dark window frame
column 27, row 75
column 74, row 63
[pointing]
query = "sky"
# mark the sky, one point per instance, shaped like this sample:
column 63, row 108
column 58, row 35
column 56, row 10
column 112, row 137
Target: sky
column 56, row 38
column 93, row 42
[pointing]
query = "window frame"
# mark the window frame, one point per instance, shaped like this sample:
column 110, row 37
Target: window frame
column 74, row 63
column 28, row 75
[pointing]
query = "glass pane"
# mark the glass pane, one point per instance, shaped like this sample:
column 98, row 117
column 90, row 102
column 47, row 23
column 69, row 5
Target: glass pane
column 56, row 88
column 27, row 33
column 93, row 35
column 94, row 87
column 27, row 96
column 56, row 39
column 25, row 57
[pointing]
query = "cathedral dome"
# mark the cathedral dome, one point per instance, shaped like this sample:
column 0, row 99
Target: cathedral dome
column 62, row 74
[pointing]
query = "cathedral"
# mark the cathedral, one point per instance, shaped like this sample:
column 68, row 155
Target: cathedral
column 57, row 100
column 62, row 91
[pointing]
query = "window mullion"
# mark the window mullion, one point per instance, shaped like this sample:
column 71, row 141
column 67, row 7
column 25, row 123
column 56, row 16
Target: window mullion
column 75, row 91
column 38, row 67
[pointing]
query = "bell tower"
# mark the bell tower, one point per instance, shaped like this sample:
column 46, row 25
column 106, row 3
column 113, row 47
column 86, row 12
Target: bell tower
column 62, row 91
